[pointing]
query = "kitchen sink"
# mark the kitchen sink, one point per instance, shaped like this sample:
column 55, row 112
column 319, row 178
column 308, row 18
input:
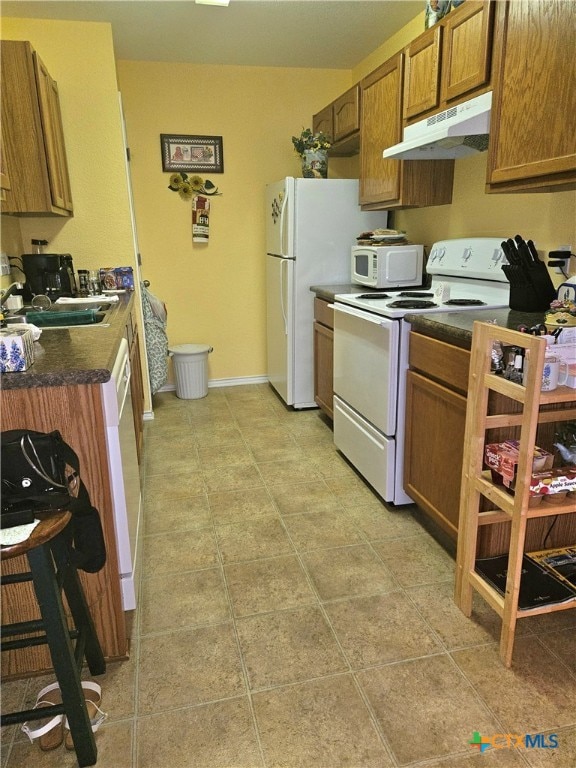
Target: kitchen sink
column 89, row 315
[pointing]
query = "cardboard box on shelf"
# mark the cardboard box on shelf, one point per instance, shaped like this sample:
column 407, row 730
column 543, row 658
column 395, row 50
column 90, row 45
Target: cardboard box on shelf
column 502, row 460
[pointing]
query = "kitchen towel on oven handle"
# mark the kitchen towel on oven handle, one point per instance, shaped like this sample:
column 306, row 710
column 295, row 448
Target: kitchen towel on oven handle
column 35, row 478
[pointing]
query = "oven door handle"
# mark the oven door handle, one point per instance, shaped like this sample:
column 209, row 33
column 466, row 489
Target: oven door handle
column 369, row 318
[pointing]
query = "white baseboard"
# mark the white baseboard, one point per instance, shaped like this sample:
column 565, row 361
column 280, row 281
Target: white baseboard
column 214, row 383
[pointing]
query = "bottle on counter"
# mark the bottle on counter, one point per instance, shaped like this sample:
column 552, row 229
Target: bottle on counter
column 83, row 282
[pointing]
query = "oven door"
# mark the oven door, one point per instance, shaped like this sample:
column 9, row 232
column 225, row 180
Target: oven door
column 366, row 365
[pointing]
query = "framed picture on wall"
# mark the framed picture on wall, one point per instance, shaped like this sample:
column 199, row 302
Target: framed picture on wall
column 192, row 153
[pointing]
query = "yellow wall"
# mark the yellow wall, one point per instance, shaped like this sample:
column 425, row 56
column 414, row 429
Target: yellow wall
column 215, row 292
column 80, row 57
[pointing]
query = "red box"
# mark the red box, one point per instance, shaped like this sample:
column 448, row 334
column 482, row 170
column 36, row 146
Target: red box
column 502, row 460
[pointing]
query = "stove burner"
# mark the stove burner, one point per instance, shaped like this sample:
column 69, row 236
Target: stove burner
column 466, row 302
column 411, row 304
column 415, row 294
column 372, row 296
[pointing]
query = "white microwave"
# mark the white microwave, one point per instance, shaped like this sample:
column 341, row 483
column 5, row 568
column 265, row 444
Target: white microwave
column 387, row 266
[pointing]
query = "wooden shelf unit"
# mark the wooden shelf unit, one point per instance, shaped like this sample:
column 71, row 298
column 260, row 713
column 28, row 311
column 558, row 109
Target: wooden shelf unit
column 477, row 483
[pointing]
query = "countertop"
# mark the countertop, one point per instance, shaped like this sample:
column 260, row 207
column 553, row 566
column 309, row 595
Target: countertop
column 66, row 356
column 456, row 327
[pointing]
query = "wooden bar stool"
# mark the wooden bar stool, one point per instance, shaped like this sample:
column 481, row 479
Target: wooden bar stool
column 48, row 553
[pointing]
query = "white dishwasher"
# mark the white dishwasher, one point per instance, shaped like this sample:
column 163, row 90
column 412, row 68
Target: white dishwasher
column 124, row 472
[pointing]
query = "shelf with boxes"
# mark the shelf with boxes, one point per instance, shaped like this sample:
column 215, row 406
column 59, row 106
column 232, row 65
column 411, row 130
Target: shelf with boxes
column 518, row 468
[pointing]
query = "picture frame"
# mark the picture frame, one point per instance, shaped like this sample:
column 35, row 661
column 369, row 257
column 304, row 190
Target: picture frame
column 192, row 154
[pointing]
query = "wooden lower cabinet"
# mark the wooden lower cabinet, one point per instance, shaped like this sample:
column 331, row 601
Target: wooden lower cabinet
column 77, row 412
column 323, row 356
column 435, row 423
column 436, row 400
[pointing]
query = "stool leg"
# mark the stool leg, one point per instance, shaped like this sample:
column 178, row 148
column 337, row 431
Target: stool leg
column 62, row 653
column 78, row 607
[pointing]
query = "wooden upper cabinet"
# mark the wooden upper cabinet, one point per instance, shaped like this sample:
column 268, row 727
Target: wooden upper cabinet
column 53, row 137
column 381, row 127
column 449, row 62
column 387, row 183
column 422, row 77
column 534, row 101
column 346, row 113
column 32, row 135
column 340, row 121
column 323, row 122
column 467, row 50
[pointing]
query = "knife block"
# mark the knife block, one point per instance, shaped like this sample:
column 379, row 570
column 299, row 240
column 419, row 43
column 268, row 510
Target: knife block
column 531, row 289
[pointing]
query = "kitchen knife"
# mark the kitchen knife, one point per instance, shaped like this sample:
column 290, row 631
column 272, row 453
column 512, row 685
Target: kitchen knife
column 533, row 251
column 513, row 250
column 523, row 251
column 506, row 252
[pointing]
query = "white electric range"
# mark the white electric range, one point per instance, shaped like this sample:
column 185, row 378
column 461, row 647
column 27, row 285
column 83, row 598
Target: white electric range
column 371, row 340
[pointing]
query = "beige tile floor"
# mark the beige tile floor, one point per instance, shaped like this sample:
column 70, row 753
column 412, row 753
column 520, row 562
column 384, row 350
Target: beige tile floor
column 289, row 619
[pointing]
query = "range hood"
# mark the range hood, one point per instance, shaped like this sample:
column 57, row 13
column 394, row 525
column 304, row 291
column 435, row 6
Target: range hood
column 458, row 131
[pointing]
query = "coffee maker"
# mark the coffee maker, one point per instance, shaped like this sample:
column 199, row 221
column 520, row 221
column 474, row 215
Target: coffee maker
column 51, row 274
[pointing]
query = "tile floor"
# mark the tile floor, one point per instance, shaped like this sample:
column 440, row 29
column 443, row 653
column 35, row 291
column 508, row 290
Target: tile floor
column 289, row 619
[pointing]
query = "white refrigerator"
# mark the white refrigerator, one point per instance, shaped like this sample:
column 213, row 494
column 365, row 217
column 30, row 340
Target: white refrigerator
column 311, row 226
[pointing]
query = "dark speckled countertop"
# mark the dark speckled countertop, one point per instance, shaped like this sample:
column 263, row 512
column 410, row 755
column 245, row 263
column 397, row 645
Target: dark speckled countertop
column 456, row 327
column 65, row 356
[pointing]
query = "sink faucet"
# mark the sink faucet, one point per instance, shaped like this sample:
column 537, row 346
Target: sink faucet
column 5, row 293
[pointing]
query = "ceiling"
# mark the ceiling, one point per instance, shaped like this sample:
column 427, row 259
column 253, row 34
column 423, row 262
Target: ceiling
column 333, row 34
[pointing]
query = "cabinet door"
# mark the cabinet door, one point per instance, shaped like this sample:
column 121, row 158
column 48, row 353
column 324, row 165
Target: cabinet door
column 467, row 50
column 387, row 183
column 531, row 136
column 323, row 367
column 435, row 424
column 53, row 136
column 322, row 122
column 381, row 127
column 32, row 136
column 346, row 113
column 4, row 177
column 422, row 76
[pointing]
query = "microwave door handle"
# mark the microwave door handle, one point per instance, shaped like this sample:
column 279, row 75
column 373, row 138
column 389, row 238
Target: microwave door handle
column 283, row 284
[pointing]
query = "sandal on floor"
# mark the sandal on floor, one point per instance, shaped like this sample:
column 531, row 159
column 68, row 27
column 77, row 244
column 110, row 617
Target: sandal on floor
column 93, row 696
column 49, row 731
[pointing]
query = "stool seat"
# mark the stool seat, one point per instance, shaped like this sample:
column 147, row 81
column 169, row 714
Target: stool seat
column 48, row 550
column 50, row 525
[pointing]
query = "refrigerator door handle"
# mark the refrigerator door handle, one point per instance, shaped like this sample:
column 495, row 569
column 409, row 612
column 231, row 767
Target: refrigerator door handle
column 283, row 219
column 283, row 283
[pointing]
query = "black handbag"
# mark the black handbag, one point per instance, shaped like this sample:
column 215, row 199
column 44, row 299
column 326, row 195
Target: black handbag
column 41, row 472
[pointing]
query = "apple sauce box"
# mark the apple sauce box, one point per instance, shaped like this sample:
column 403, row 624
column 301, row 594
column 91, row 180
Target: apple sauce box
column 502, row 460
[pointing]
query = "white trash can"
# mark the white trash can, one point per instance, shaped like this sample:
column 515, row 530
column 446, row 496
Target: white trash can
column 190, row 370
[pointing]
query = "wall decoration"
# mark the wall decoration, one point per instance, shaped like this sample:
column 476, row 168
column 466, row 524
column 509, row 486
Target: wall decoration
column 192, row 153
column 186, row 186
